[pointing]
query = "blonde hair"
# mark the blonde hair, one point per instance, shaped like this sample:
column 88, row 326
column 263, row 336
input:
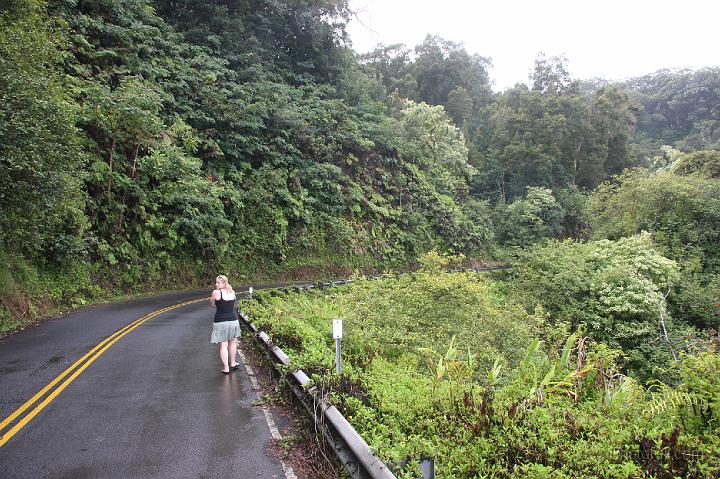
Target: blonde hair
column 224, row 279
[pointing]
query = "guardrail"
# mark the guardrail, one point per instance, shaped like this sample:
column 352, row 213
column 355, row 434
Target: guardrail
column 351, row 449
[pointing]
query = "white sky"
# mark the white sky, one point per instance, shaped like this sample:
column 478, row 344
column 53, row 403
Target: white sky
column 611, row 39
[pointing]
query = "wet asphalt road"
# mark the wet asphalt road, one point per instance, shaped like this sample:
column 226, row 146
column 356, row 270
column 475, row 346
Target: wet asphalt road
column 153, row 405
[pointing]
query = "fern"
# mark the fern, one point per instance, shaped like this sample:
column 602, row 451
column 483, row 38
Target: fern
column 671, row 400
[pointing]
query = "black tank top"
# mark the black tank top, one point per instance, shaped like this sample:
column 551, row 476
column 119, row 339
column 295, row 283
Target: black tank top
column 225, row 309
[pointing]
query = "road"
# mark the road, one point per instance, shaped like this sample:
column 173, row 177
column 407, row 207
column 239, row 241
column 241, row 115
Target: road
column 151, row 404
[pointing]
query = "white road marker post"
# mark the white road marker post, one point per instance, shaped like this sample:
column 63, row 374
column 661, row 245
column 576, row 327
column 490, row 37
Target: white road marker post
column 250, row 293
column 337, row 334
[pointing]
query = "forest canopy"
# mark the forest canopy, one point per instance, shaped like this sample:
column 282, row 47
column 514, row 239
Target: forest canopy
column 155, row 142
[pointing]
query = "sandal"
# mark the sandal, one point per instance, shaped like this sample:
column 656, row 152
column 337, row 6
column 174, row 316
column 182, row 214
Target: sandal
column 235, row 368
column 225, row 372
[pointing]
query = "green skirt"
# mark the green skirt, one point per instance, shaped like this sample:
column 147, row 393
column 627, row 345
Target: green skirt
column 225, row 331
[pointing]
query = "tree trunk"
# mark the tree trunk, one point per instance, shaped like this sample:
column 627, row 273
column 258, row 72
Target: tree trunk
column 575, row 161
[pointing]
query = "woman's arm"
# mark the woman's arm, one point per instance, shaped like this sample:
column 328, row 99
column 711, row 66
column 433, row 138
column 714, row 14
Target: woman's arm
column 214, row 297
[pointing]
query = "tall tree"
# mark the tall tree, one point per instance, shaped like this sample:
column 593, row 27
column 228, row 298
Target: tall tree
column 40, row 197
column 442, row 66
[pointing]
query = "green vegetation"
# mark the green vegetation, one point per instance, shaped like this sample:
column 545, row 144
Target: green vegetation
column 450, row 365
column 681, row 108
column 156, row 143
column 682, row 214
column 149, row 145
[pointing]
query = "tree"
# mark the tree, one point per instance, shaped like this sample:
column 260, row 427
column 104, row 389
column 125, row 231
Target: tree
column 682, row 215
column 681, row 108
column 681, row 212
column 392, row 66
column 614, row 290
column 296, row 40
column 40, row 197
column 442, row 66
column 615, row 117
column 434, row 144
column 460, row 106
column 552, row 135
column 703, row 162
column 528, row 220
column 551, row 76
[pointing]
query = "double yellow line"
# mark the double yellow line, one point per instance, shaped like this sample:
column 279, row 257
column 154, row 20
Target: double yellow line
column 74, row 371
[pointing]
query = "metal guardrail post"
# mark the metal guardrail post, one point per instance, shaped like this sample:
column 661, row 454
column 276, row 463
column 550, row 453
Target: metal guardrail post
column 351, row 449
column 427, row 468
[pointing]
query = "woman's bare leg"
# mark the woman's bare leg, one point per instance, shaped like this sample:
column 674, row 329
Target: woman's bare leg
column 232, row 348
column 224, row 355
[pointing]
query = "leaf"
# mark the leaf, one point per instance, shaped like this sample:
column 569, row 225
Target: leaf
column 567, row 349
column 548, row 377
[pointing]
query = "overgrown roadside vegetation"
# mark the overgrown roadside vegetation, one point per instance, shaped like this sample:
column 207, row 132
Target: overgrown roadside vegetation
column 29, row 295
column 299, row 447
column 495, row 379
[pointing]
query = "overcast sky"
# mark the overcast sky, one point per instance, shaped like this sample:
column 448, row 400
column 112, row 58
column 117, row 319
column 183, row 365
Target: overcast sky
column 612, row 39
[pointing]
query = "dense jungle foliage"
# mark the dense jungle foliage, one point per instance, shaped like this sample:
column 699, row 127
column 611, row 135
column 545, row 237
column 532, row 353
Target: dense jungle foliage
column 497, row 376
column 152, row 144
column 148, row 144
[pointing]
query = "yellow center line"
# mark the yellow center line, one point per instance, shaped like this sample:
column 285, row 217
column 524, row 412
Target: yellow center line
column 93, row 354
column 40, row 393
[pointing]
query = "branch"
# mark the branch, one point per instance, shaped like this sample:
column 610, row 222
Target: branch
column 662, row 323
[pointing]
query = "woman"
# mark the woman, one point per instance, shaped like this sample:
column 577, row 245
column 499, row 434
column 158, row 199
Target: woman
column 226, row 327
